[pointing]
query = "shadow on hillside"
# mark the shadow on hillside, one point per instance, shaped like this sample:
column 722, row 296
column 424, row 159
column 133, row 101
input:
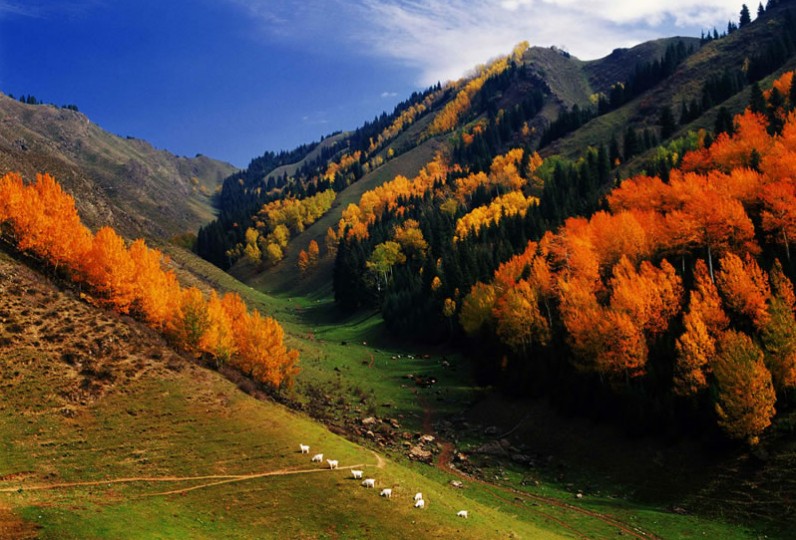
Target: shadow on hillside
column 756, row 489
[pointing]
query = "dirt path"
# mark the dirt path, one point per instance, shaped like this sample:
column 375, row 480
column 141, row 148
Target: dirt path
column 243, row 478
column 443, row 462
column 380, row 462
column 218, row 480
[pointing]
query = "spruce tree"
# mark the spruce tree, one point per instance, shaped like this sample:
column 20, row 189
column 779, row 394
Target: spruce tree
column 757, row 102
column 667, row 122
column 746, row 18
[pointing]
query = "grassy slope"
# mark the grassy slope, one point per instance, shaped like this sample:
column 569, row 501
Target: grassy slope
column 293, row 167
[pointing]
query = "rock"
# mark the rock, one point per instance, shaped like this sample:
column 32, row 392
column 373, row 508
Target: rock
column 458, row 456
column 370, row 434
column 418, row 453
column 456, row 484
column 68, row 412
column 492, row 431
column 679, row 510
column 426, row 438
column 522, row 458
column 394, row 423
column 491, row 448
column 368, row 421
column 579, row 495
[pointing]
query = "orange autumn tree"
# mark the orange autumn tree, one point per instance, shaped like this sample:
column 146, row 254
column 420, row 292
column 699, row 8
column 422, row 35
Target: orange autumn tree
column 745, row 287
column 303, row 262
column 704, row 323
column 157, row 291
column 778, row 335
column 109, row 268
column 42, row 220
column 218, row 340
column 779, row 212
column 262, row 353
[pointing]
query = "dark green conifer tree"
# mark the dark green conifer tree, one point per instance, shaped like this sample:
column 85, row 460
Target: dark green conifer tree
column 746, row 18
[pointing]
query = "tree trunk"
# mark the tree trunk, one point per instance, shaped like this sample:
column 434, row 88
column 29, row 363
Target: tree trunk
column 710, row 264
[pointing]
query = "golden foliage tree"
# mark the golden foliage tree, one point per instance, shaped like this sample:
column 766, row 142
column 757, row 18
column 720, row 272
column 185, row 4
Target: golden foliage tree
column 745, row 393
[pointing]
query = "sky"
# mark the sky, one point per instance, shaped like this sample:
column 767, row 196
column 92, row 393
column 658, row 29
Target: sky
column 231, row 79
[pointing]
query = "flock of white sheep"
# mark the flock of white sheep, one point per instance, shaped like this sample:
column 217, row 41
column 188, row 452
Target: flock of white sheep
column 369, row 482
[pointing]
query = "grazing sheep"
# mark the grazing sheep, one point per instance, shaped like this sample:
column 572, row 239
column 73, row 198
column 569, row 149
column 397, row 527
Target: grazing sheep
column 462, row 513
column 418, row 496
column 386, row 492
column 420, row 503
column 369, row 482
column 357, row 474
column 332, row 463
column 305, row 448
column 317, row 457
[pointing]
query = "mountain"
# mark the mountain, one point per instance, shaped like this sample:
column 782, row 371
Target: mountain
column 537, row 99
column 123, row 182
column 493, row 305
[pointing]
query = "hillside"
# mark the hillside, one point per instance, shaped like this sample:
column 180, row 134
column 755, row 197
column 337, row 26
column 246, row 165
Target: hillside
column 117, row 181
column 714, row 60
column 508, row 312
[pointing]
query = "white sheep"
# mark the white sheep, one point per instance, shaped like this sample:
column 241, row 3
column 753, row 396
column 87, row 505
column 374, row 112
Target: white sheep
column 317, row 457
column 386, row 492
column 418, row 496
column 305, row 448
column 369, row 482
column 462, row 513
column 357, row 474
column 332, row 463
column 420, row 503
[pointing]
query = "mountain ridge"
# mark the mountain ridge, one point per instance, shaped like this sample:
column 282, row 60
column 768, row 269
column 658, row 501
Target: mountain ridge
column 124, row 182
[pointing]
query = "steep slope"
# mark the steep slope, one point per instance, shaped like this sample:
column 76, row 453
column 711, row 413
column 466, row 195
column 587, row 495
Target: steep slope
column 731, row 54
column 530, row 89
column 126, row 183
column 618, row 66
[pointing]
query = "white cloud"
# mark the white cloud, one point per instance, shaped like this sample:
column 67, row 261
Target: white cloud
column 65, row 8
column 443, row 39
column 389, row 94
column 316, row 118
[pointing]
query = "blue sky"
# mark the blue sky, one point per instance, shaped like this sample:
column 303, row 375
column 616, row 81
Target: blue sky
column 233, row 78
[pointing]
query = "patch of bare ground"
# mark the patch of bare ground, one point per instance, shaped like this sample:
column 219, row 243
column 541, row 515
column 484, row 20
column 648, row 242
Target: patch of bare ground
column 12, row 527
column 91, row 351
